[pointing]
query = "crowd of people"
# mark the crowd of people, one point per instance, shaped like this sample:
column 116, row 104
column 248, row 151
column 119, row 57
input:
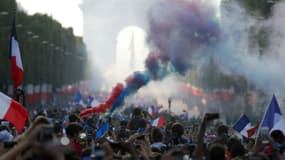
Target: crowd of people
column 61, row 135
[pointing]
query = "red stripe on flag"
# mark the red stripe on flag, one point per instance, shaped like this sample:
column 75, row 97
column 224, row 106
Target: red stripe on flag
column 17, row 115
column 160, row 122
column 251, row 131
column 17, row 73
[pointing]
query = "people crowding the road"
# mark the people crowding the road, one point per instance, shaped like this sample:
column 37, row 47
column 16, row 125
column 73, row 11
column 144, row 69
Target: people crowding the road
column 52, row 135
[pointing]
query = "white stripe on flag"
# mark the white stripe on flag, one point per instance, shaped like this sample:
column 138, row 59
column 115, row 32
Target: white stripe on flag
column 245, row 129
column 4, row 104
column 16, row 53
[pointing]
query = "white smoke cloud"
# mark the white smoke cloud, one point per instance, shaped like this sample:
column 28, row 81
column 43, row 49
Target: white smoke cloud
column 241, row 55
column 238, row 53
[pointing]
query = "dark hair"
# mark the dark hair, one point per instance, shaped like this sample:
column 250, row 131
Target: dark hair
column 57, row 127
column 2, row 128
column 277, row 136
column 231, row 142
column 156, row 135
column 20, row 93
column 137, row 112
column 168, row 127
column 177, row 129
column 73, row 129
column 73, row 118
column 217, row 151
column 123, row 123
column 237, row 149
column 221, row 130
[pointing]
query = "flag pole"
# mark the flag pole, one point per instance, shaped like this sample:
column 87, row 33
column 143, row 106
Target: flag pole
column 260, row 124
column 14, row 11
column 14, row 53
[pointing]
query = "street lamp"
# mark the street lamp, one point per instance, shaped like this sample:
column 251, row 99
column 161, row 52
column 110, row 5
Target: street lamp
column 9, row 27
column 169, row 104
column 44, row 42
column 35, row 36
column 19, row 25
column 4, row 13
column 29, row 33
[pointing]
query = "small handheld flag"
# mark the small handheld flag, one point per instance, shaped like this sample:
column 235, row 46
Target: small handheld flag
column 78, row 98
column 244, row 127
column 158, row 122
column 101, row 131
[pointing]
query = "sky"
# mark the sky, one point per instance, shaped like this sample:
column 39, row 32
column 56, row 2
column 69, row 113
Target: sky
column 67, row 12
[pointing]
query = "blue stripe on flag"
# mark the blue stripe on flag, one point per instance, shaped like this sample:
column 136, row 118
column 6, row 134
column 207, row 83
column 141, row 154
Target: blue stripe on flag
column 241, row 123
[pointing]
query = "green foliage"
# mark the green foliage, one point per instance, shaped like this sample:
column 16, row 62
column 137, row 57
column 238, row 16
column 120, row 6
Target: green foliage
column 258, row 7
column 50, row 53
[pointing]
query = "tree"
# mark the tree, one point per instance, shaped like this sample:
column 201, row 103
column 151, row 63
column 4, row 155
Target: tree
column 50, row 53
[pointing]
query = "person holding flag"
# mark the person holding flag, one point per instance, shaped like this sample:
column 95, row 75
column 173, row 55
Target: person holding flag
column 272, row 125
column 272, row 118
column 13, row 112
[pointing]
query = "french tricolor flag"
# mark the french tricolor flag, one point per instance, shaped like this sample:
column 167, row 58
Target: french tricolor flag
column 158, row 122
column 15, row 56
column 244, row 127
column 12, row 111
column 152, row 110
column 273, row 118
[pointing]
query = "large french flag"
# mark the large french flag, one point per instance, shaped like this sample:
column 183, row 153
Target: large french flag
column 273, row 119
column 12, row 111
column 15, row 56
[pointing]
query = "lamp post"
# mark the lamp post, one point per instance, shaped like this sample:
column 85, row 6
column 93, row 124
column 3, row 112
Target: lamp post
column 58, row 61
column 3, row 64
column 49, row 62
column 32, row 68
column 8, row 28
column 37, row 59
column 169, row 105
column 45, row 60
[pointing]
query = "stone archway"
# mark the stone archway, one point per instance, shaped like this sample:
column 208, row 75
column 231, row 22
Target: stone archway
column 132, row 49
column 103, row 20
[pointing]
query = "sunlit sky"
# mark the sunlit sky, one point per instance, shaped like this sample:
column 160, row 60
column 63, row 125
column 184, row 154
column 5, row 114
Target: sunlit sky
column 67, row 12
